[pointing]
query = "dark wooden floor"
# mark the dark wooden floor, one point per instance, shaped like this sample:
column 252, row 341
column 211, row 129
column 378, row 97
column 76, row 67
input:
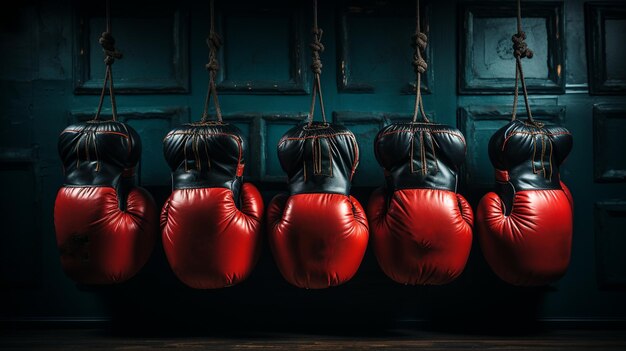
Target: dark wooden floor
column 98, row 339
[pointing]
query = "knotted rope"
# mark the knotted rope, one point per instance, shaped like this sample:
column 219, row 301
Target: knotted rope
column 520, row 51
column 214, row 42
column 110, row 55
column 316, row 66
column 419, row 41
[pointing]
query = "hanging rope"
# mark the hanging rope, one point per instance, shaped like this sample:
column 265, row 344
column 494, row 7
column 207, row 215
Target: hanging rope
column 316, row 66
column 520, row 51
column 110, row 55
column 418, row 42
column 214, row 41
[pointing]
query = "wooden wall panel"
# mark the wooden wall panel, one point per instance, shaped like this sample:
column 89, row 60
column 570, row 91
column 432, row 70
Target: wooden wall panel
column 374, row 47
column 486, row 62
column 264, row 86
column 605, row 27
column 609, row 143
column 154, row 40
column 264, row 48
column 610, row 237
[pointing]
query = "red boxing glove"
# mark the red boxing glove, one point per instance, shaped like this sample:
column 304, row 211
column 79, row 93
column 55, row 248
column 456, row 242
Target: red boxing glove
column 105, row 225
column 212, row 221
column 525, row 227
column 421, row 228
column 318, row 233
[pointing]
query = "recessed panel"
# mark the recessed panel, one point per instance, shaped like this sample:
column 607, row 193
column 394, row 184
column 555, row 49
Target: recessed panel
column 374, row 48
column 610, row 238
column 273, row 55
column 263, row 48
column 615, row 49
column 486, row 61
column 493, row 52
column 148, row 66
column 605, row 27
column 609, row 124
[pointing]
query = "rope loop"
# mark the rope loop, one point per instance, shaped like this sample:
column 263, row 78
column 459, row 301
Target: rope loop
column 419, row 41
column 212, row 66
column 316, row 67
column 520, row 51
column 108, row 47
column 419, row 65
column 214, row 42
column 111, row 54
column 316, row 49
column 520, row 48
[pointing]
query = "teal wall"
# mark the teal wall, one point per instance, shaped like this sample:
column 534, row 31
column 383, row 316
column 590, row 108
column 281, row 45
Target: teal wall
column 52, row 67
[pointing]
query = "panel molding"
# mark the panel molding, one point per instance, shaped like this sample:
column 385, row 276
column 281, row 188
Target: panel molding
column 177, row 115
column 602, row 113
column 84, row 83
column 468, row 83
column 355, row 117
column 298, row 69
column 394, row 117
column 596, row 15
column 610, row 244
column 469, row 117
column 346, row 83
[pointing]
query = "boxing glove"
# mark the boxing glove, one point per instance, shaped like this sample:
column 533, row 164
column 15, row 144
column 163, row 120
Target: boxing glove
column 421, row 228
column 211, row 222
column 318, row 233
column 105, row 225
column 525, row 226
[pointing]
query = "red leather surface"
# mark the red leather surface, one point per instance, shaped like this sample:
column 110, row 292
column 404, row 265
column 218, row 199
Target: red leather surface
column 466, row 210
column 208, row 241
column 423, row 236
column 568, row 194
column 99, row 244
column 532, row 245
column 318, row 240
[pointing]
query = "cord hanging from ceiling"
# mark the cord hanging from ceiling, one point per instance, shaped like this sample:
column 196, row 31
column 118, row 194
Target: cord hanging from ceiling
column 419, row 41
column 214, row 41
column 316, row 66
column 520, row 51
column 110, row 55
